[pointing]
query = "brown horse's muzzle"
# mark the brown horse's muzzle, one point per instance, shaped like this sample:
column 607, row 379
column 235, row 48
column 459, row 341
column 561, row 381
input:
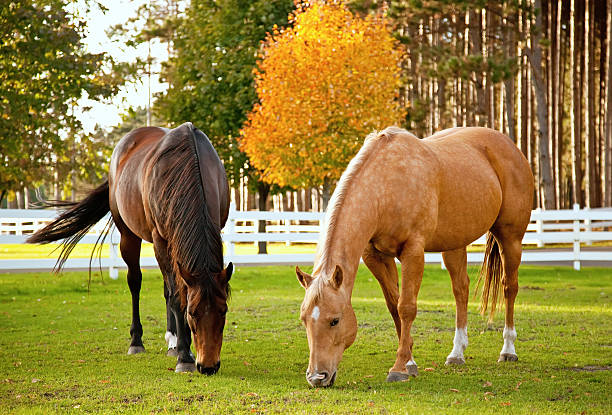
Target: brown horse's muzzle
column 208, row 370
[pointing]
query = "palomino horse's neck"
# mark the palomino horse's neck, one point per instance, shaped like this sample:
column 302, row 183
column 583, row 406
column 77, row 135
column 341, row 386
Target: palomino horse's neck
column 347, row 235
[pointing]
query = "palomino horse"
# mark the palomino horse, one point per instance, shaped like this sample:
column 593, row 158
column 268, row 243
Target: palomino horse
column 398, row 198
column 167, row 187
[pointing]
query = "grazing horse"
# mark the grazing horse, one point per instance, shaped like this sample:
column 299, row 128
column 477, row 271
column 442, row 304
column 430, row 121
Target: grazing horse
column 167, row 187
column 399, row 198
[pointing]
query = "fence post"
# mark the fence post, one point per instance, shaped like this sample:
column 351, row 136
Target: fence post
column 587, row 224
column 287, row 231
column 539, row 227
column 113, row 271
column 230, row 229
column 576, row 237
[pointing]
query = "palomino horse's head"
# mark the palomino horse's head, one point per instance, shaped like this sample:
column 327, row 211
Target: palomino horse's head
column 206, row 306
column 331, row 325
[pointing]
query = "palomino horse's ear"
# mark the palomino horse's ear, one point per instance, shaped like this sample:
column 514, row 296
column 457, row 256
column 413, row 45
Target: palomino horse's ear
column 336, row 278
column 302, row 277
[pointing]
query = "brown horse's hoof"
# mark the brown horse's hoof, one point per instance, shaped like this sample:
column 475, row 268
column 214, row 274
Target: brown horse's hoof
column 136, row 349
column 172, row 352
column 397, row 376
column 507, row 357
column 454, row 361
column 185, row 367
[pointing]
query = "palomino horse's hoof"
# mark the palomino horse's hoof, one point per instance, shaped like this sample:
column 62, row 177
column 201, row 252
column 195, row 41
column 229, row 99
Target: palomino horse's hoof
column 172, row 352
column 397, row 376
column 136, row 349
column 507, row 357
column 454, row 361
column 185, row 367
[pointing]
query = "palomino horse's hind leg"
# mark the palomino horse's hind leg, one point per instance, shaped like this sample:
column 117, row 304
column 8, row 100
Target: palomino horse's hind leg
column 185, row 361
column 511, row 250
column 130, row 252
column 385, row 271
column 412, row 259
column 456, row 263
column 171, row 339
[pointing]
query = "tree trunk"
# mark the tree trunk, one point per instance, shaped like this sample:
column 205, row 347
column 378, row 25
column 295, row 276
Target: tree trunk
column 546, row 183
column 508, row 32
column 608, row 135
column 326, row 193
column 263, row 190
column 476, row 50
column 557, row 97
column 589, row 114
column 575, row 111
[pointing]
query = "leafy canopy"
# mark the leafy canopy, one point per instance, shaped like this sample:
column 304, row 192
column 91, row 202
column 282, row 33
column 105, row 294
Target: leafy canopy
column 323, row 84
column 44, row 70
column 211, row 71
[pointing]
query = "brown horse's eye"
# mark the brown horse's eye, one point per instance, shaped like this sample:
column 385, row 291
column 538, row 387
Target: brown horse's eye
column 334, row 322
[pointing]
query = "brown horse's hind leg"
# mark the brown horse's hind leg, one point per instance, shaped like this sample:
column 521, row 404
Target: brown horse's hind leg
column 185, row 361
column 130, row 252
column 510, row 250
column 456, row 263
column 384, row 270
column 412, row 259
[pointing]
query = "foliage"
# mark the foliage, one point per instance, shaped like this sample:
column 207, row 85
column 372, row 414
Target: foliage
column 211, row 80
column 44, row 70
column 63, row 349
column 323, row 84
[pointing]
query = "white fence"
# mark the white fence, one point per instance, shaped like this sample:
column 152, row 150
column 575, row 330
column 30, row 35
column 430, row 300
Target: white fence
column 576, row 227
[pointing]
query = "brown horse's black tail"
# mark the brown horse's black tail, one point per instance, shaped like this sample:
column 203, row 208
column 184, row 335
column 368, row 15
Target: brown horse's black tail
column 490, row 277
column 74, row 223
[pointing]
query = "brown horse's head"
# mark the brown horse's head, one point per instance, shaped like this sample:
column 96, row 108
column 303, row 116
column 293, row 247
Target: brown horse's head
column 205, row 305
column 331, row 325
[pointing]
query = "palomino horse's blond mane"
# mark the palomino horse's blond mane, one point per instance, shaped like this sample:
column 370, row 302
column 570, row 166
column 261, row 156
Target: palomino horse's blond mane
column 370, row 146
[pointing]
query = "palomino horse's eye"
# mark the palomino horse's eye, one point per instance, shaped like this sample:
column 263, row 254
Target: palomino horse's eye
column 334, row 322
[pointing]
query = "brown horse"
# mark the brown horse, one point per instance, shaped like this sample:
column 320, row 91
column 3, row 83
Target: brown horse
column 398, row 198
column 167, row 187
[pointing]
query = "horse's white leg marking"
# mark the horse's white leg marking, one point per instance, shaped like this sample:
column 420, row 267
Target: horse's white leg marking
column 460, row 342
column 171, row 340
column 509, row 338
column 315, row 313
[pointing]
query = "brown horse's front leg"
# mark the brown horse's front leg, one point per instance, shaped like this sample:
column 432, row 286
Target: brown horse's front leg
column 412, row 259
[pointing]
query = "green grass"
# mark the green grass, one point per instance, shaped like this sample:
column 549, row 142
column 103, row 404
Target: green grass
column 63, row 349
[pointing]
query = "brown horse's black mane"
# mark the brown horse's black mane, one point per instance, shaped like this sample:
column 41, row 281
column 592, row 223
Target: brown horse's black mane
column 178, row 204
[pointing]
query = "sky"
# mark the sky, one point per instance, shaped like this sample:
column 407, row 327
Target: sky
column 119, row 11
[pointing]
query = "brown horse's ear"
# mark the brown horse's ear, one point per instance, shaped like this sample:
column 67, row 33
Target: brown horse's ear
column 304, row 279
column 336, row 278
column 225, row 275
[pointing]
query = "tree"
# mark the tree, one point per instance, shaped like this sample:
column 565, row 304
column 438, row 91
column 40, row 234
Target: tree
column 44, row 70
column 323, row 84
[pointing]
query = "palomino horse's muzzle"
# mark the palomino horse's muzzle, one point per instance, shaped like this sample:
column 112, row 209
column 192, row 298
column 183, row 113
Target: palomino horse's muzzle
column 320, row 379
column 208, row 370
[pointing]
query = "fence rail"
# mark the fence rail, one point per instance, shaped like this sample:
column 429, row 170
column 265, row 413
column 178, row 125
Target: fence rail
column 574, row 226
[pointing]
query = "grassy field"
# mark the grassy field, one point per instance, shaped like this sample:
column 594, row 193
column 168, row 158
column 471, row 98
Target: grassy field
column 63, row 349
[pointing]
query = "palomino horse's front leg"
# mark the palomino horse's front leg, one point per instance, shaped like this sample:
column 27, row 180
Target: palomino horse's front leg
column 384, row 270
column 412, row 259
column 456, row 263
column 185, row 361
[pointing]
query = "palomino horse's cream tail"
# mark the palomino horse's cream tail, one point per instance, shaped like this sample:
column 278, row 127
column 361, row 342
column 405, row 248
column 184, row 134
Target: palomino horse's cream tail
column 491, row 275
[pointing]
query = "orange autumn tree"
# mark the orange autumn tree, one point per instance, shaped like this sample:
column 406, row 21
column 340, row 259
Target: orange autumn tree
column 323, row 84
